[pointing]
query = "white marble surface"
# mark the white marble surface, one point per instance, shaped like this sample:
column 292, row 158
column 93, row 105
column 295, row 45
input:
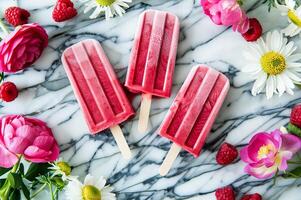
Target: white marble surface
column 46, row 94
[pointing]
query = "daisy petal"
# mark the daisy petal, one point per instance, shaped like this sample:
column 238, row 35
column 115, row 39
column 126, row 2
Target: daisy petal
column 270, row 87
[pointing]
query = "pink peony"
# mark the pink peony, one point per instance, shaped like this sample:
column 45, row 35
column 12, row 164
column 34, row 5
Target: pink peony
column 26, row 136
column 268, row 152
column 227, row 13
column 22, row 47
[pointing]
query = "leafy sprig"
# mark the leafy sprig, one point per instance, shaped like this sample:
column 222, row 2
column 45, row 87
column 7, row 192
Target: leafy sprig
column 38, row 177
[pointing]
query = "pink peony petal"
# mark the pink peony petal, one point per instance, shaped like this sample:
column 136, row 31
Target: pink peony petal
column 8, row 131
column 27, row 132
column 20, row 51
column 17, row 122
column 55, row 153
column 17, row 145
column 7, row 159
column 35, row 152
column 44, row 142
column 27, row 136
column 14, row 47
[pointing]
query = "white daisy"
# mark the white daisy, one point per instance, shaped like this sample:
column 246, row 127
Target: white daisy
column 294, row 17
column 92, row 189
column 63, row 169
column 109, row 7
column 273, row 64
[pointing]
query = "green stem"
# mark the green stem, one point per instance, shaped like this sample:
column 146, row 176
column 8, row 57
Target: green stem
column 5, row 189
column 39, row 190
column 275, row 177
column 16, row 166
column 56, row 193
column 4, row 28
column 51, row 191
column 293, row 175
column 293, row 162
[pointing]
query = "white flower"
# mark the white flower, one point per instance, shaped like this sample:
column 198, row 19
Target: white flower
column 63, row 169
column 92, row 189
column 294, row 17
column 273, row 65
column 109, row 7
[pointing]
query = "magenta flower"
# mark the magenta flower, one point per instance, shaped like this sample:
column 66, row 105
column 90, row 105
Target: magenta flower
column 28, row 137
column 227, row 13
column 22, row 47
column 267, row 152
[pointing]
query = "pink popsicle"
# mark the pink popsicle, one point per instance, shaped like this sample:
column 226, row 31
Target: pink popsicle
column 193, row 112
column 152, row 59
column 97, row 89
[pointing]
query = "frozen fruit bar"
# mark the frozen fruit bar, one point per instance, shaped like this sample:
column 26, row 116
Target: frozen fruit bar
column 152, row 60
column 98, row 91
column 194, row 109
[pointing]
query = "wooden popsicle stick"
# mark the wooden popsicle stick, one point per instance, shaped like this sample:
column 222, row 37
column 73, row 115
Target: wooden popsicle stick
column 121, row 142
column 144, row 112
column 169, row 159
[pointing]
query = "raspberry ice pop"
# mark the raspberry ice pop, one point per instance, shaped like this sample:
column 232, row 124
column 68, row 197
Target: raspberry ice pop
column 193, row 112
column 98, row 91
column 152, row 59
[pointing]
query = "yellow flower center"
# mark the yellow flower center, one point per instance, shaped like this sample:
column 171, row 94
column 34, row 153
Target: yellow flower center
column 264, row 151
column 90, row 192
column 273, row 63
column 64, row 167
column 294, row 17
column 105, row 2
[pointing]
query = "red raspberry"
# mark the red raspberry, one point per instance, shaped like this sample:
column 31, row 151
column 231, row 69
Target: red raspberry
column 8, row 91
column 255, row 196
column 226, row 193
column 254, row 32
column 63, row 10
column 296, row 116
column 226, row 154
column 16, row 16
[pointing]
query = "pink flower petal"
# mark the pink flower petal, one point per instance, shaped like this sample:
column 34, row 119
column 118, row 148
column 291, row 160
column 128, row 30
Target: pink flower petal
column 261, row 172
column 35, row 152
column 27, row 132
column 290, row 143
column 17, row 145
column 17, row 122
column 7, row 159
column 284, row 156
column 44, row 142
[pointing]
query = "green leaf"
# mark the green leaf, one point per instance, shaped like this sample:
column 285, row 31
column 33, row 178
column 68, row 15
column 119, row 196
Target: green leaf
column 25, row 191
column 15, row 195
column 59, row 183
column 15, row 180
column 4, row 170
column 1, row 77
column 21, row 168
column 295, row 173
column 2, row 181
column 36, row 169
column 291, row 128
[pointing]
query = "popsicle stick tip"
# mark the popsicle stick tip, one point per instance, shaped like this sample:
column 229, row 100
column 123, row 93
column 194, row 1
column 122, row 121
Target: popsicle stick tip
column 144, row 112
column 163, row 171
column 121, row 142
column 169, row 159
